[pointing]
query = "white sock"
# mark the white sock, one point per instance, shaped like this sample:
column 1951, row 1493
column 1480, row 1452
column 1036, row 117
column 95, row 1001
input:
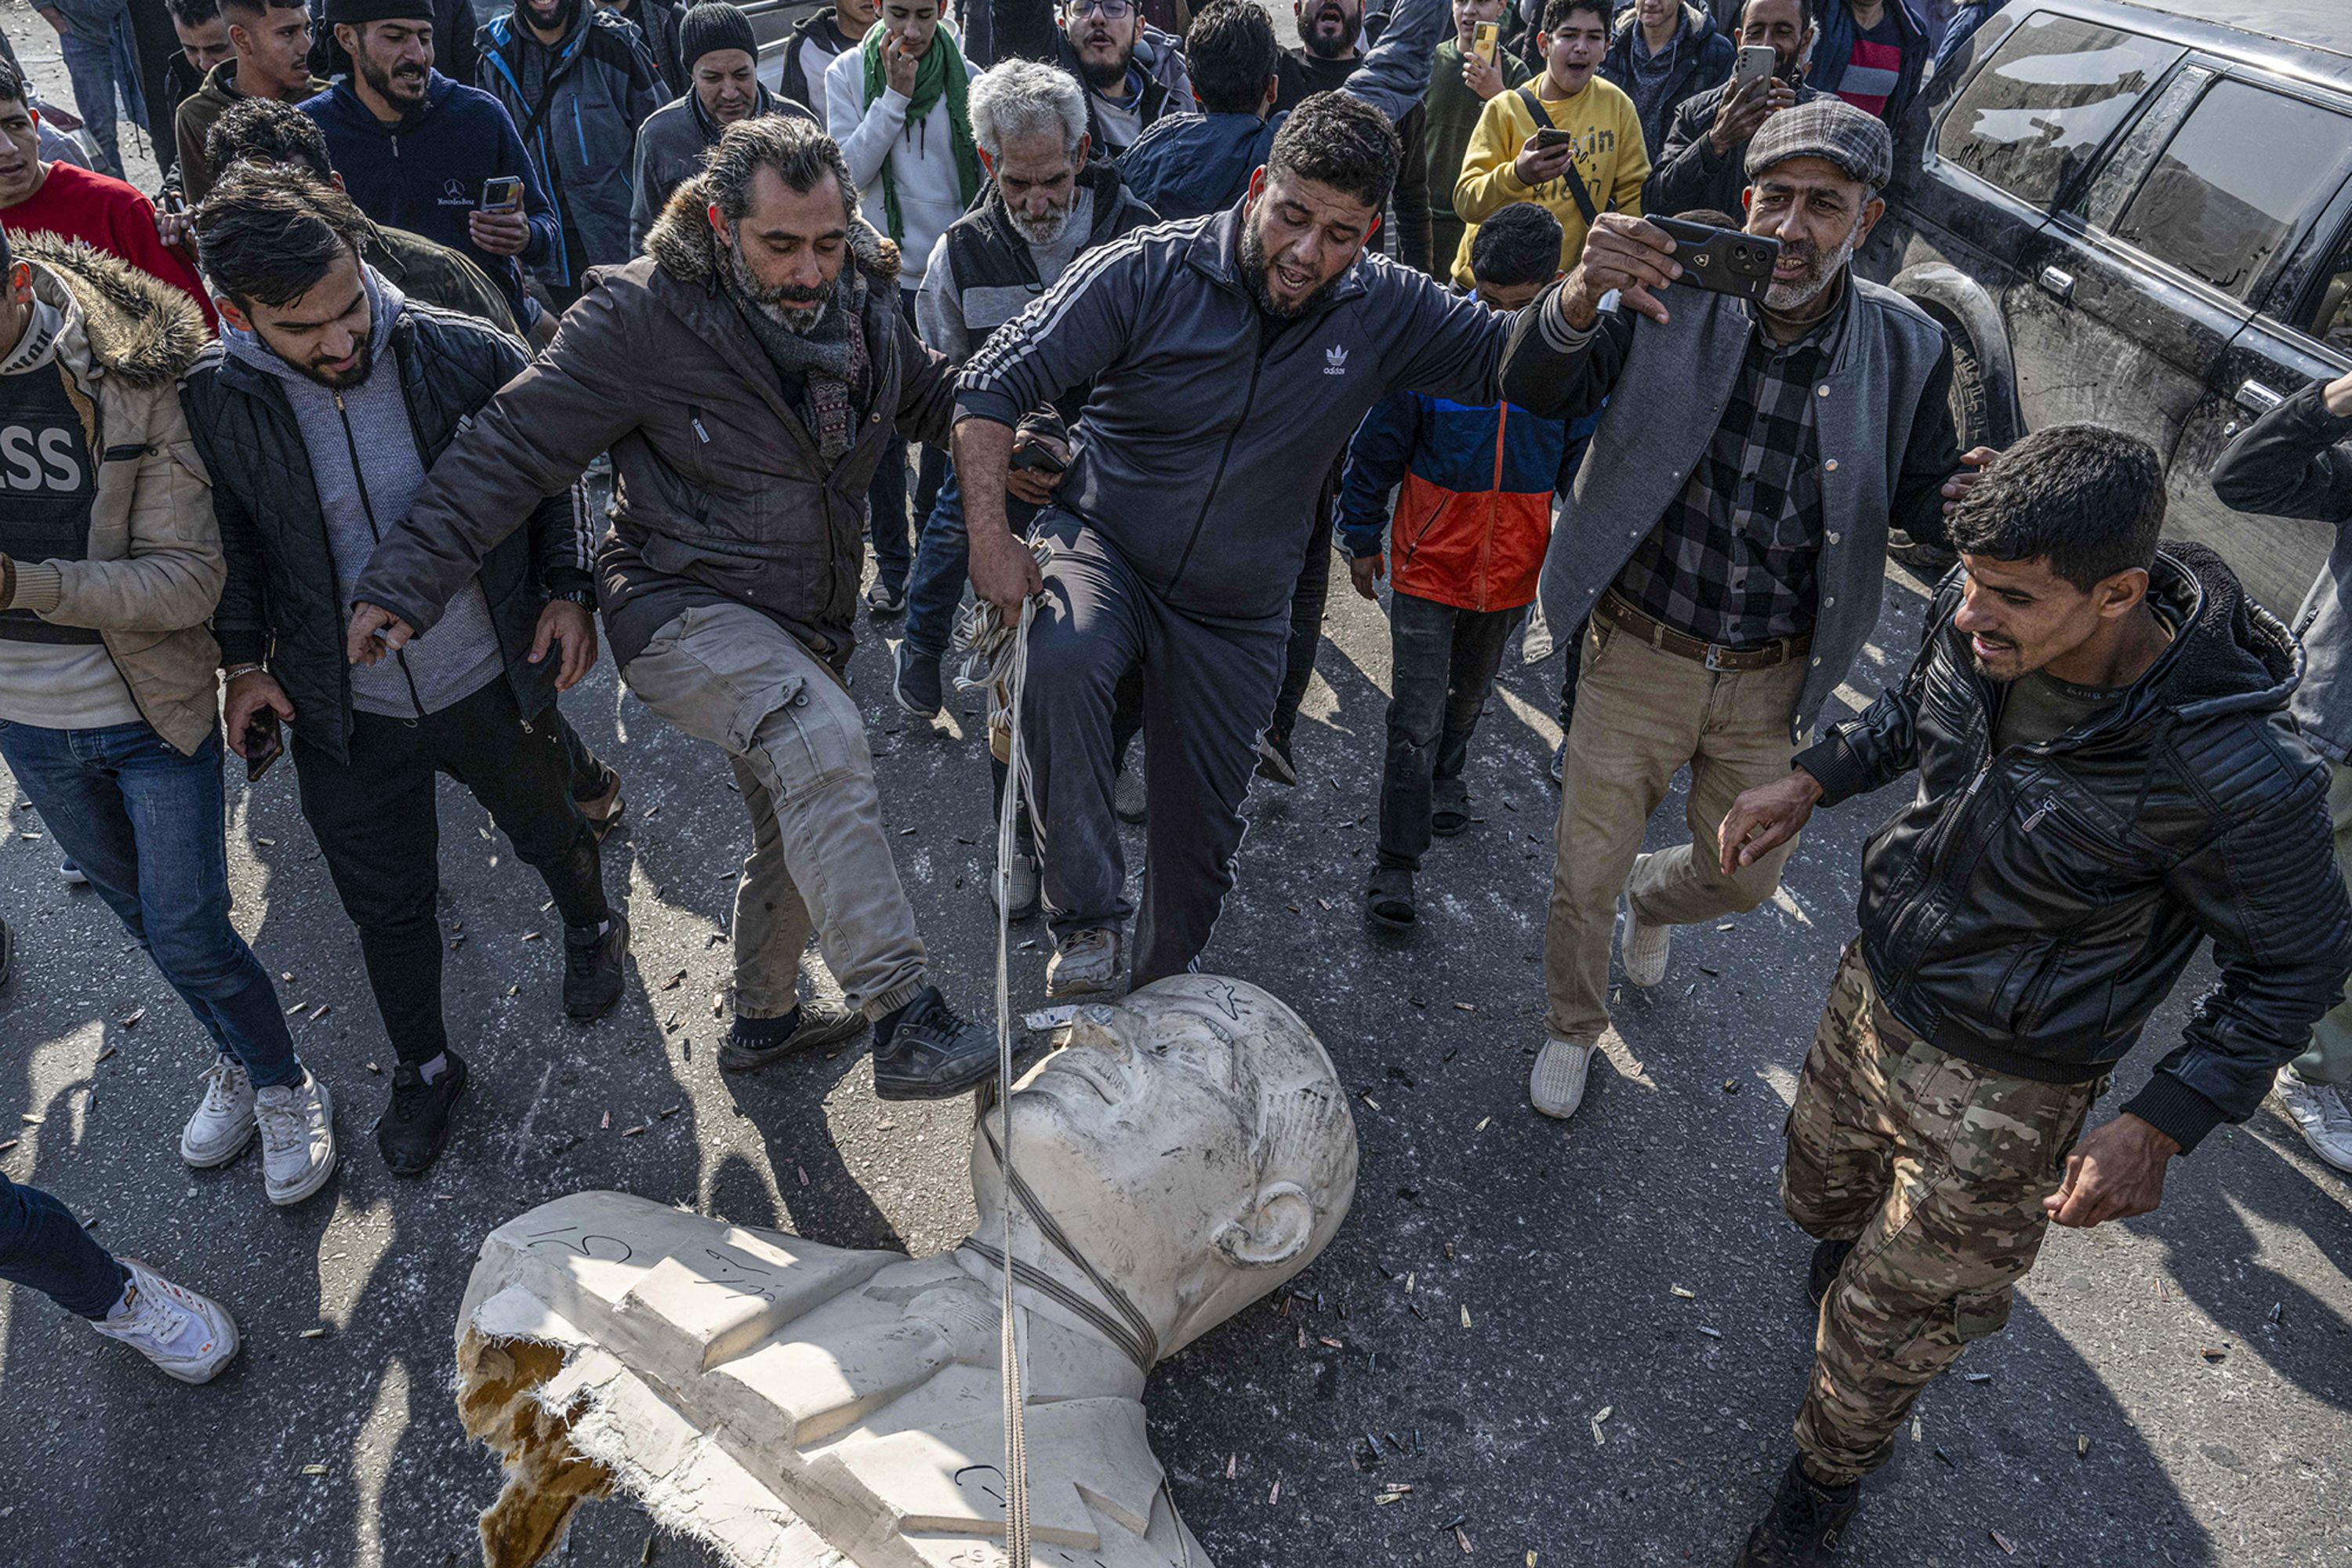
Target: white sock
column 431, row 1071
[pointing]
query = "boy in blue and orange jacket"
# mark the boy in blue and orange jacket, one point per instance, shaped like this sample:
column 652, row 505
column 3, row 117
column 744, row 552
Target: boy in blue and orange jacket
column 1473, row 513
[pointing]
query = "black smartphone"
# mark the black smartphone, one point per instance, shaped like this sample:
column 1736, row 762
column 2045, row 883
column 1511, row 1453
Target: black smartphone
column 1037, row 455
column 1721, row 261
column 262, row 745
column 1550, row 137
column 175, row 202
column 502, row 193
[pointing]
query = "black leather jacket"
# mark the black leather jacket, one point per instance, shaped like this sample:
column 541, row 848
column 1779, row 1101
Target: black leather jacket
column 2028, row 911
column 280, row 604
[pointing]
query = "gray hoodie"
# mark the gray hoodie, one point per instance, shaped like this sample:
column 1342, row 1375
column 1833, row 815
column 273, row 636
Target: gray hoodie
column 365, row 462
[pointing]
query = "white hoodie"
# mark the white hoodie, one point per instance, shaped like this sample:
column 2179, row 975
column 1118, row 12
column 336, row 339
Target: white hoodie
column 923, row 159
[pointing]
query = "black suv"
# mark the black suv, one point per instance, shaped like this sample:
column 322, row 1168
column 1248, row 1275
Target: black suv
column 2129, row 214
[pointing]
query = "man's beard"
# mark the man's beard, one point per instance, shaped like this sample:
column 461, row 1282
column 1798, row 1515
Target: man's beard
column 363, row 346
column 1351, row 28
column 796, row 310
column 1802, row 291
column 1042, row 230
column 404, row 85
column 1103, row 74
column 565, row 12
column 1254, row 272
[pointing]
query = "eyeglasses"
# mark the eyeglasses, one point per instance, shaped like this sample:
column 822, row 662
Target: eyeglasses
column 1110, row 10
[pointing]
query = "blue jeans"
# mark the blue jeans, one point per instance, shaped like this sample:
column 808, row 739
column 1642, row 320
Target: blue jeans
column 885, row 497
column 99, row 71
column 44, row 1248
column 935, row 586
column 144, row 824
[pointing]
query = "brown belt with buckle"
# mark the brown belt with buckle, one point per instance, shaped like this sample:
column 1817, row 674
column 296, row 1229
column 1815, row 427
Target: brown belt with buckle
column 1614, row 609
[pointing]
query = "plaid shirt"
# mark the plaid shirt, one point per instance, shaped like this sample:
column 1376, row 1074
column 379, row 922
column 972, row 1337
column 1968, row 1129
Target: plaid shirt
column 1732, row 561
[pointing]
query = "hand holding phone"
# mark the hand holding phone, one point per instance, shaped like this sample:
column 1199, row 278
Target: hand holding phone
column 1721, row 261
column 1756, row 61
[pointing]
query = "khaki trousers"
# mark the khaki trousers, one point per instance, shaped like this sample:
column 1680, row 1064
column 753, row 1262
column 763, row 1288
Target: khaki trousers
column 820, row 859
column 1640, row 714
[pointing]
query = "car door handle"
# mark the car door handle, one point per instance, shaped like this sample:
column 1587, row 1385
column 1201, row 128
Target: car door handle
column 2057, row 283
column 2254, row 394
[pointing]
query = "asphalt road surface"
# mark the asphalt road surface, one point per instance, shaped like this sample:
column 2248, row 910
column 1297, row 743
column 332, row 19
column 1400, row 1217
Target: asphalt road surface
column 2203, row 1352
column 2173, row 1390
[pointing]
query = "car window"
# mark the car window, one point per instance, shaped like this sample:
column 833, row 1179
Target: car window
column 2328, row 317
column 2041, row 107
column 2245, row 167
column 2120, row 175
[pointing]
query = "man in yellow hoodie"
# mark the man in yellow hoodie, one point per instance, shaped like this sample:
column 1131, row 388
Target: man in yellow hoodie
column 1601, row 170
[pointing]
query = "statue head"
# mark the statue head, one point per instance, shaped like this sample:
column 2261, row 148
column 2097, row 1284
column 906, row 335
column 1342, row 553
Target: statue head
column 1193, row 1143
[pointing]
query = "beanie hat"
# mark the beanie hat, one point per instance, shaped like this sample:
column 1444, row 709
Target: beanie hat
column 359, row 12
column 714, row 26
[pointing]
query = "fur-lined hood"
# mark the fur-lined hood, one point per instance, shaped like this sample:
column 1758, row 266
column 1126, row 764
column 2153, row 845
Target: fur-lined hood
column 681, row 241
column 138, row 327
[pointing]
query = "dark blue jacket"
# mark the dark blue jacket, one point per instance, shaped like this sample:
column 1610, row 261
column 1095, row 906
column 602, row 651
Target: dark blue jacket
column 1188, row 165
column 426, row 173
column 1703, row 58
column 1833, row 51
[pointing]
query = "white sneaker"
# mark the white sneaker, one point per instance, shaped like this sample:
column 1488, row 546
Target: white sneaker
column 2320, row 1113
column 1644, row 946
column 191, row 1337
column 1126, row 793
column 298, row 1139
column 222, row 1124
column 1084, row 964
column 1556, row 1087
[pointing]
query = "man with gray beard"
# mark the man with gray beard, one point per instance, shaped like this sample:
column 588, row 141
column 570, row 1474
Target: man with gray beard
column 747, row 374
column 1726, row 538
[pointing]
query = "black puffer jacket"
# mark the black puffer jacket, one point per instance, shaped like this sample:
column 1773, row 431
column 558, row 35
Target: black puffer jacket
column 2028, row 911
column 280, row 604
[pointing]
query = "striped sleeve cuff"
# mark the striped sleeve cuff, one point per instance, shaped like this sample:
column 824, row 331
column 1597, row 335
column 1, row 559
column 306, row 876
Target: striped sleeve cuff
column 39, row 586
column 1558, row 334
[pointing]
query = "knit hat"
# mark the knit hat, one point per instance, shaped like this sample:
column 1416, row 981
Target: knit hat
column 359, row 12
column 714, row 26
column 1827, row 127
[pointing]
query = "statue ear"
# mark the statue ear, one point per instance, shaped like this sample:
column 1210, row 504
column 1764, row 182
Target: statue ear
column 1275, row 1228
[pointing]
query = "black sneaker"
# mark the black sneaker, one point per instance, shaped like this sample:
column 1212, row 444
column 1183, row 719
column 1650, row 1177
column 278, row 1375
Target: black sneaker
column 410, row 1132
column 932, row 1054
column 1449, row 812
column 915, row 680
column 1829, row 1257
column 822, row 1023
column 593, row 968
column 1388, row 903
column 882, row 599
column 1274, row 760
column 1805, row 1523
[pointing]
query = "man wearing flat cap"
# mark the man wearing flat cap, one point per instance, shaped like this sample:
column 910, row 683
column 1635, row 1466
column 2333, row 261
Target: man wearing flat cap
column 1725, row 538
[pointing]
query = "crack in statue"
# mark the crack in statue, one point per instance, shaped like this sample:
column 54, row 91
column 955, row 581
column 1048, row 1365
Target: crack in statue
column 797, row 1406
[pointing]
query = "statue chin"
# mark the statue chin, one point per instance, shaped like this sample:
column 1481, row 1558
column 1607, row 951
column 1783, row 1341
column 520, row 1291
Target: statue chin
column 797, row 1406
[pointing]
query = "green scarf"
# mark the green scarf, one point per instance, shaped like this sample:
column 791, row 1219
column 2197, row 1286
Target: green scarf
column 940, row 73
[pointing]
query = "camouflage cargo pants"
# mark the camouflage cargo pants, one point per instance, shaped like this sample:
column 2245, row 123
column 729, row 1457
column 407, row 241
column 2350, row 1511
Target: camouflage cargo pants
column 1935, row 1168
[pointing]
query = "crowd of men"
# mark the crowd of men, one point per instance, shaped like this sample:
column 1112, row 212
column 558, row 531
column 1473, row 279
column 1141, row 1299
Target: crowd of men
column 1090, row 309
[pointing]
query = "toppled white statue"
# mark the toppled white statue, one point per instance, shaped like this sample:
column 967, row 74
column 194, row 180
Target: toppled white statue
column 802, row 1406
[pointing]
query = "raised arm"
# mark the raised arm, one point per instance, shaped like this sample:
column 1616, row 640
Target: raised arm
column 2292, row 461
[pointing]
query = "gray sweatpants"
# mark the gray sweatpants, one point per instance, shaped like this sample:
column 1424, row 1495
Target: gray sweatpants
column 1208, row 691
column 820, row 859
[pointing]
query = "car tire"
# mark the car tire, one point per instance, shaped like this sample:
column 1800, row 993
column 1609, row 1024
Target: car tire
column 1972, row 421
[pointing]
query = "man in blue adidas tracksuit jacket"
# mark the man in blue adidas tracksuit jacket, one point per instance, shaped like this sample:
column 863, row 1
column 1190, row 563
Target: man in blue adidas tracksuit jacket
column 1231, row 357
